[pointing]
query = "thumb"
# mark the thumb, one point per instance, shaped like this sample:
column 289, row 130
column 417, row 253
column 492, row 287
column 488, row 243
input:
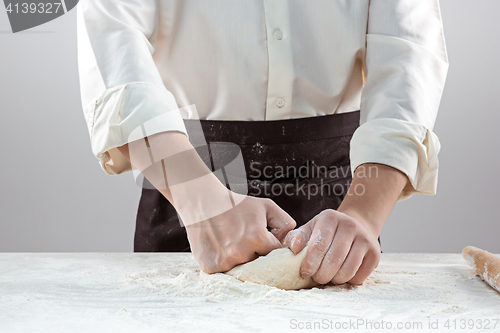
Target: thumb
column 297, row 239
column 270, row 243
column 279, row 220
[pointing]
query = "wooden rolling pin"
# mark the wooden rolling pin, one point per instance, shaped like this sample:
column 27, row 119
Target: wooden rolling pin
column 486, row 265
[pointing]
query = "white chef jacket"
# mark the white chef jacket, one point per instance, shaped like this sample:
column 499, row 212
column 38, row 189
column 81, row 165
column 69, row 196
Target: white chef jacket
column 267, row 60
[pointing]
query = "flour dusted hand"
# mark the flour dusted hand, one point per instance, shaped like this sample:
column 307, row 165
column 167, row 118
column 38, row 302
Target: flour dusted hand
column 280, row 269
column 341, row 248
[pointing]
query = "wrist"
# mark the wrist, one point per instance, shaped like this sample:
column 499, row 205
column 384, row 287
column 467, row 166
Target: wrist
column 372, row 194
column 201, row 199
column 374, row 225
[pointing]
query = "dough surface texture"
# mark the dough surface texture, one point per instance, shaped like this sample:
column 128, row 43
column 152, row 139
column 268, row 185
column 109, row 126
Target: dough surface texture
column 280, row 269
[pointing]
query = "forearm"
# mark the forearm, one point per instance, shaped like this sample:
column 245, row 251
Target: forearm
column 374, row 190
column 177, row 140
column 176, row 163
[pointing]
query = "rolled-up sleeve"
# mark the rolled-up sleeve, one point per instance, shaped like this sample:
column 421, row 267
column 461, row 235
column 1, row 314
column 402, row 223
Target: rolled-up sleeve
column 405, row 71
column 121, row 87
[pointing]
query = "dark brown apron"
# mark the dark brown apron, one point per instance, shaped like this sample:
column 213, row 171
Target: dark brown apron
column 302, row 164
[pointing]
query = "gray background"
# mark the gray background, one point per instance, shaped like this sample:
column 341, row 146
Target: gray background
column 55, row 197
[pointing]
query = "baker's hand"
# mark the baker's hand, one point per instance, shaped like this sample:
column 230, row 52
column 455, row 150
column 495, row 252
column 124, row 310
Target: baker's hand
column 224, row 228
column 340, row 249
column 239, row 235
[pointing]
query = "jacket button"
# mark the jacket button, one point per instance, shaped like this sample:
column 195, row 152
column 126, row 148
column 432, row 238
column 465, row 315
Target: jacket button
column 280, row 102
column 278, row 34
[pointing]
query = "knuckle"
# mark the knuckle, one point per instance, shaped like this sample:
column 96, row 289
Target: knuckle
column 333, row 259
column 233, row 254
column 376, row 255
column 376, row 252
column 268, row 201
column 351, row 226
column 329, row 214
column 321, row 244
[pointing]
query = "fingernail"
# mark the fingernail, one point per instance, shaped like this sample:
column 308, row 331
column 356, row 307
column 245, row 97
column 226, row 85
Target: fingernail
column 304, row 275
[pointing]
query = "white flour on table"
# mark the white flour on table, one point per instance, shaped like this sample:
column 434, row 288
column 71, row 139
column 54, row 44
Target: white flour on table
column 393, row 290
column 165, row 292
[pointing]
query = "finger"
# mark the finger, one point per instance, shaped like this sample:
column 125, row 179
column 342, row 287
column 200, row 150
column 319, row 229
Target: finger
column 279, row 221
column 318, row 245
column 297, row 239
column 335, row 256
column 351, row 264
column 268, row 243
column 370, row 262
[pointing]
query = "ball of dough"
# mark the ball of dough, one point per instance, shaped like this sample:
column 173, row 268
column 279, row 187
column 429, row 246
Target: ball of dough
column 280, row 269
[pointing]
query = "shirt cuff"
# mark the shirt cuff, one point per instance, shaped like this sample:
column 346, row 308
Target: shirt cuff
column 411, row 148
column 114, row 117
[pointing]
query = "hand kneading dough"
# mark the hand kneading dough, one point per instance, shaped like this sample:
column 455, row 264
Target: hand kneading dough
column 280, row 269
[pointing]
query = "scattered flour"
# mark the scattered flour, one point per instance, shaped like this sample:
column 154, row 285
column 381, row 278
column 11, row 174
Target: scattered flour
column 158, row 292
column 404, row 286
